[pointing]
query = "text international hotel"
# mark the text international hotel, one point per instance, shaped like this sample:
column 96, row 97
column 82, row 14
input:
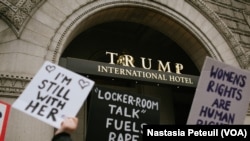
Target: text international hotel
column 140, row 53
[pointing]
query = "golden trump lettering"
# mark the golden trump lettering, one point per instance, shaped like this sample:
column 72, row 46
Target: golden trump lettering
column 144, row 74
column 128, row 60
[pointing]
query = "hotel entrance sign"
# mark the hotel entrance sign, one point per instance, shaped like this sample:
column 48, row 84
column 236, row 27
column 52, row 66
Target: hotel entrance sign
column 53, row 94
column 222, row 95
column 133, row 73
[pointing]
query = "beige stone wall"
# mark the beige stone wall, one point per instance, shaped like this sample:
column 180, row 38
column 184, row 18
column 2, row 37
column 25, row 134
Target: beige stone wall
column 236, row 15
column 34, row 31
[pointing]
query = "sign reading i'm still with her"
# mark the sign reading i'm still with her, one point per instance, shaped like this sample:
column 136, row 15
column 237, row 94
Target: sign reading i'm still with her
column 53, row 94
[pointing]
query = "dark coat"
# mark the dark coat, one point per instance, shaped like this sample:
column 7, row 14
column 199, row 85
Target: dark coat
column 62, row 137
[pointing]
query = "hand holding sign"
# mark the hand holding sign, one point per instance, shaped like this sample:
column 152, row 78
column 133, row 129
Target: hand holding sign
column 53, row 94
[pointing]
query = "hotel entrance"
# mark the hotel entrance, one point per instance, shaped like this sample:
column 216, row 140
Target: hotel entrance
column 145, row 48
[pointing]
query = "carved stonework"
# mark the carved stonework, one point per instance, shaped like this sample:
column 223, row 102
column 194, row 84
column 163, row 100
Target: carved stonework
column 246, row 15
column 246, row 1
column 17, row 12
column 236, row 47
column 241, row 55
column 11, row 85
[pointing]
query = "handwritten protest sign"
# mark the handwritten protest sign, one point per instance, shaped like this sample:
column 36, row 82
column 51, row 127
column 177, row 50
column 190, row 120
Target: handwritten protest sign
column 118, row 115
column 4, row 115
column 222, row 95
column 53, row 94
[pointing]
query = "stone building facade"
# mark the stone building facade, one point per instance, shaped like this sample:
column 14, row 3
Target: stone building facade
column 32, row 31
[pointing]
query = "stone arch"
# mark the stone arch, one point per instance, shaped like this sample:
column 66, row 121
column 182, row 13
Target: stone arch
column 179, row 20
column 233, row 43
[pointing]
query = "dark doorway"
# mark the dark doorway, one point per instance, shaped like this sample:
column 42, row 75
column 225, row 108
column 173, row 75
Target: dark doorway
column 139, row 41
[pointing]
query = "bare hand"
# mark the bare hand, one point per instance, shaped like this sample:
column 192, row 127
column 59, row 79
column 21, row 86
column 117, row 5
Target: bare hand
column 68, row 125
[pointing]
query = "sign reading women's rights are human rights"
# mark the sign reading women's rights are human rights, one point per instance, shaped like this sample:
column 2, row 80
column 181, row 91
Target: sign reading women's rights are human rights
column 53, row 94
column 222, row 95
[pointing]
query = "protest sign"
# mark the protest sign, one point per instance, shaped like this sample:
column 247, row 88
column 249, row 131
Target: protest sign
column 119, row 115
column 4, row 115
column 53, row 94
column 222, row 95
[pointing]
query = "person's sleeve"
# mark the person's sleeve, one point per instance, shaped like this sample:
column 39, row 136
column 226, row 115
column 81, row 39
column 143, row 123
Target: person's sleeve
column 62, row 137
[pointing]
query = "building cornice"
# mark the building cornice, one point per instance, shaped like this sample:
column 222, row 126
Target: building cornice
column 13, row 85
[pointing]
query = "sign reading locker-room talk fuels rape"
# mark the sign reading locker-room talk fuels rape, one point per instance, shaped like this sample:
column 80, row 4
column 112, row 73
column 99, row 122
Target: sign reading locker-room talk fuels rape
column 120, row 115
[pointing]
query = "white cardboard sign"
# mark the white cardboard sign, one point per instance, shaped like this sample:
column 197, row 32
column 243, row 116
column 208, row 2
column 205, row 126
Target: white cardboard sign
column 222, row 95
column 53, row 94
